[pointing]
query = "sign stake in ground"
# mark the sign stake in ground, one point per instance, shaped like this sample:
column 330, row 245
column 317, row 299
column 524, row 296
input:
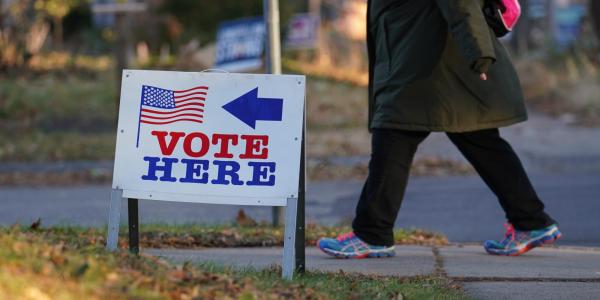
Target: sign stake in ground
column 273, row 60
column 235, row 139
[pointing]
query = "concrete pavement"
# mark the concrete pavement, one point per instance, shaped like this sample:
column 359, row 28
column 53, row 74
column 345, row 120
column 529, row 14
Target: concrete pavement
column 544, row 273
column 409, row 261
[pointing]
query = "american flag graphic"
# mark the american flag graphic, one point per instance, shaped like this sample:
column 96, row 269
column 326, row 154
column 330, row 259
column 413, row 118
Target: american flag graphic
column 161, row 106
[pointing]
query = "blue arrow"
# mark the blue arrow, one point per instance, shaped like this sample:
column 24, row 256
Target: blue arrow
column 248, row 108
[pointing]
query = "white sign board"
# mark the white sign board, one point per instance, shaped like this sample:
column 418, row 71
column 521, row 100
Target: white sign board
column 209, row 137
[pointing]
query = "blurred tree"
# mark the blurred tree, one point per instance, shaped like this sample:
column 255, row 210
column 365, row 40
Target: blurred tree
column 77, row 20
column 595, row 15
column 201, row 19
column 57, row 10
column 22, row 33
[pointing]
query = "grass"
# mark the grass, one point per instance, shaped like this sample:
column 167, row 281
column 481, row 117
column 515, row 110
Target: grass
column 353, row 286
column 225, row 235
column 57, row 103
column 52, row 117
column 71, row 263
column 40, row 146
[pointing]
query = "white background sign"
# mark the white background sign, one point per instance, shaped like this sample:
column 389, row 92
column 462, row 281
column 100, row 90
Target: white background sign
column 226, row 138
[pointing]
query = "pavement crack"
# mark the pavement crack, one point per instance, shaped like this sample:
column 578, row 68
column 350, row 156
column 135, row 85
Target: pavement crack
column 440, row 272
column 521, row 279
column 439, row 269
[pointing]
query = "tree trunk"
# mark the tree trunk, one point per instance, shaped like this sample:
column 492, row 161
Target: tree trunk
column 595, row 15
column 58, row 32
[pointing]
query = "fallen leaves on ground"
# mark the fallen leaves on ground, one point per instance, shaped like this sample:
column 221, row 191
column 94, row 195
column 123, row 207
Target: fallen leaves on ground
column 71, row 263
column 242, row 219
column 262, row 236
column 191, row 236
column 34, row 267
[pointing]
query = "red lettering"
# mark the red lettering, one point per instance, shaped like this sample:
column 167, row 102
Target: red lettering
column 225, row 139
column 162, row 143
column 256, row 146
column 204, row 143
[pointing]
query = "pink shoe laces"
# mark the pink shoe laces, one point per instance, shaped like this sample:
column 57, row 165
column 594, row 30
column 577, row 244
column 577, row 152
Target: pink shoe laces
column 345, row 236
column 512, row 234
column 510, row 231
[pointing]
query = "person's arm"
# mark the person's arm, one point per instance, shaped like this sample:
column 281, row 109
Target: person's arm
column 467, row 25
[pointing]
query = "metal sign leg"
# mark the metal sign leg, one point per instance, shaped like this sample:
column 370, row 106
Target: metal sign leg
column 289, row 239
column 133, row 217
column 114, row 218
column 300, row 226
column 276, row 214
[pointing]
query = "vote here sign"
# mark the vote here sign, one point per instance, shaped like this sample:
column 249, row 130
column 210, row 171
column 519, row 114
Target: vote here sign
column 209, row 137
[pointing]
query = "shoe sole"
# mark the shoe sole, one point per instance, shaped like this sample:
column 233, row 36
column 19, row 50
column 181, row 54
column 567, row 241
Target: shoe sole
column 544, row 240
column 342, row 255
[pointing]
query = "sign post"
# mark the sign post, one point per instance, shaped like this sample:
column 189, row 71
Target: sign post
column 294, row 219
column 273, row 60
column 216, row 138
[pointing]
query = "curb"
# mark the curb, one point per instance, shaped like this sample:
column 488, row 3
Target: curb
column 550, row 247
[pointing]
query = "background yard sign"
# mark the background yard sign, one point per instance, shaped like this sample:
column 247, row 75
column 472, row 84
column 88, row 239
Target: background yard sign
column 209, row 138
column 303, row 31
column 240, row 44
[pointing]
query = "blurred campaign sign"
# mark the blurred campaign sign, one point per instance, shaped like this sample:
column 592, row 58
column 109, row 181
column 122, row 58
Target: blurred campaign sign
column 303, row 31
column 240, row 44
column 209, row 137
column 568, row 21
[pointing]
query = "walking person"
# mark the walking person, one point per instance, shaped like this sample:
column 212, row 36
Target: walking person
column 436, row 65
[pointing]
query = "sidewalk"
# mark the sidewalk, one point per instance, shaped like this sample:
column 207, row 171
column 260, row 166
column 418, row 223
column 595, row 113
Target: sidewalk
column 544, row 273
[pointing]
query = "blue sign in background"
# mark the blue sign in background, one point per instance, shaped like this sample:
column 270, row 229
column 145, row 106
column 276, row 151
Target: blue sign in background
column 567, row 24
column 240, row 44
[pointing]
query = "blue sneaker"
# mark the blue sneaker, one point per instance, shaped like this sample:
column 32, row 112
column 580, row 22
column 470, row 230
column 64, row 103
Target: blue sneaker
column 518, row 242
column 348, row 245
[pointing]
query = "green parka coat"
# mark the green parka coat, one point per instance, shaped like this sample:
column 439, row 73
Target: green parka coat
column 420, row 76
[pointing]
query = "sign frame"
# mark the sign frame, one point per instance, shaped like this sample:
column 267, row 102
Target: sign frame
column 294, row 242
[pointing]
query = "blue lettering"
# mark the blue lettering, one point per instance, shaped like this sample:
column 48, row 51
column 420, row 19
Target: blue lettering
column 261, row 170
column 193, row 171
column 153, row 167
column 227, row 168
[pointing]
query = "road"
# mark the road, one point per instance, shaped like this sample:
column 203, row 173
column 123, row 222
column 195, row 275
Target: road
column 461, row 207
